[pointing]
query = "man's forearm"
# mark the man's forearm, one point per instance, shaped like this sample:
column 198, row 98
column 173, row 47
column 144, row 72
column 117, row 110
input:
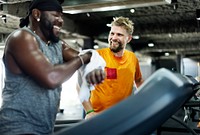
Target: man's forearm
column 139, row 82
column 87, row 106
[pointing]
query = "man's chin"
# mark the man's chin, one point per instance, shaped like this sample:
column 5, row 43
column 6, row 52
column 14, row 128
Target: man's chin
column 114, row 50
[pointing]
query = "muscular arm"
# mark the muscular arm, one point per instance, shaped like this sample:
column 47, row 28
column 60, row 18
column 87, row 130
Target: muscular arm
column 22, row 55
column 68, row 52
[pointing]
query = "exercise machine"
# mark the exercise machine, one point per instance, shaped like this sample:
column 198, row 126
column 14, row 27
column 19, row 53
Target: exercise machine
column 159, row 97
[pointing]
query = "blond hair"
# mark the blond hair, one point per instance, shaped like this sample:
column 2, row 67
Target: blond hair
column 123, row 22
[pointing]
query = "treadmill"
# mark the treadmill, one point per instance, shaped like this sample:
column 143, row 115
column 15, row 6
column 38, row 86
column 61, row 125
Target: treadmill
column 159, row 97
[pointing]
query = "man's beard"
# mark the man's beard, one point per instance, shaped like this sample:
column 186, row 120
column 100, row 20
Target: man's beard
column 118, row 49
column 52, row 37
column 47, row 29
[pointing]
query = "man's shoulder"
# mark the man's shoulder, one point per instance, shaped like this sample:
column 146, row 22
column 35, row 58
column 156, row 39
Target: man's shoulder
column 129, row 52
column 20, row 33
column 18, row 38
column 103, row 50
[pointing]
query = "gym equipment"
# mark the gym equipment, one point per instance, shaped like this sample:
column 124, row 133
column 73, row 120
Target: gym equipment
column 159, row 97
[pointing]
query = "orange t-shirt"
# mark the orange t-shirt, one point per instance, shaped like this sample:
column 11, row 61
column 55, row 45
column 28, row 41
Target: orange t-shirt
column 120, row 75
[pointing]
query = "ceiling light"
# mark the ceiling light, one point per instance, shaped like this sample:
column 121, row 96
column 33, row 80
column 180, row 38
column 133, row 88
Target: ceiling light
column 198, row 14
column 171, row 1
column 175, row 6
column 136, row 37
column 166, row 54
column 132, row 10
column 150, row 44
column 109, row 8
column 88, row 15
column 108, row 25
column 96, row 47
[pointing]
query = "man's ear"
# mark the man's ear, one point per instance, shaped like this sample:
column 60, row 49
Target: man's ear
column 36, row 14
column 130, row 38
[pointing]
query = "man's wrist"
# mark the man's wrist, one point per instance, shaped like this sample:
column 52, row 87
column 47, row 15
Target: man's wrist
column 86, row 57
column 89, row 111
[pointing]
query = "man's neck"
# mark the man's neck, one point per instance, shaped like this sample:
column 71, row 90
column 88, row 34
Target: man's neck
column 119, row 54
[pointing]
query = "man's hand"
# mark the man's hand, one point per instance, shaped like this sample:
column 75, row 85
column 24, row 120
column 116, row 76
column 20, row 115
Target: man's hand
column 96, row 76
column 90, row 115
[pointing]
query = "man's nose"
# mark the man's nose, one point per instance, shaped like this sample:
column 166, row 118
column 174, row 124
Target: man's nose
column 60, row 19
